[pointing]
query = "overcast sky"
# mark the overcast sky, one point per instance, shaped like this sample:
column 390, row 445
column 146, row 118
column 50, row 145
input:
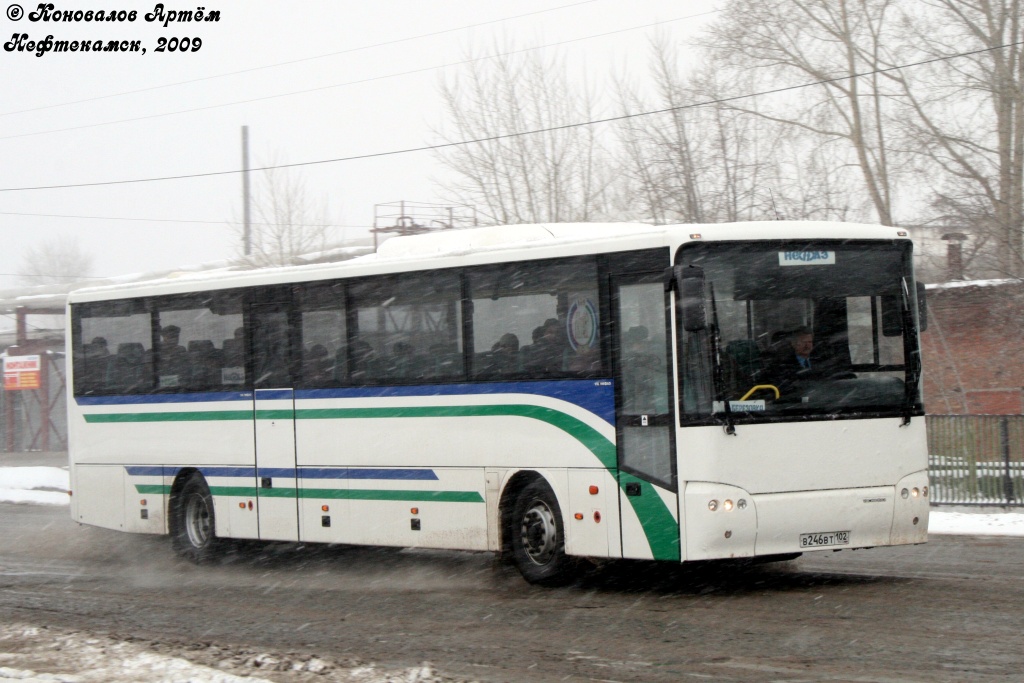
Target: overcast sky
column 290, row 72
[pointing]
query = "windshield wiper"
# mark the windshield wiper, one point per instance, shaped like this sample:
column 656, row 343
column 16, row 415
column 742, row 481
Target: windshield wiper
column 717, row 373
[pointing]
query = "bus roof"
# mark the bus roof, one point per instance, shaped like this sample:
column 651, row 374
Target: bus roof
column 491, row 244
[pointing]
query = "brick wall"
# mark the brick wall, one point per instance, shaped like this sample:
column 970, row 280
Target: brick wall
column 973, row 349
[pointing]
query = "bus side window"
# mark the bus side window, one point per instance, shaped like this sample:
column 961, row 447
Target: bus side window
column 322, row 318
column 535, row 320
column 187, row 357
column 115, row 356
column 399, row 321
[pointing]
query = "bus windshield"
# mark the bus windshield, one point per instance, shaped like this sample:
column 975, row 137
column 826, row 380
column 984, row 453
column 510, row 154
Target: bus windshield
column 798, row 330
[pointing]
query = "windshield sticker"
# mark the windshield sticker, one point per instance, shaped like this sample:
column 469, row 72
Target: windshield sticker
column 807, row 258
column 740, row 406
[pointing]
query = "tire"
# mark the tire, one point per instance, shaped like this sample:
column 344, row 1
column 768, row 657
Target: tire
column 193, row 525
column 538, row 537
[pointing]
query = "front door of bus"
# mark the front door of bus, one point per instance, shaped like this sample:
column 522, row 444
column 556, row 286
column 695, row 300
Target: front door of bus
column 644, row 426
column 276, row 483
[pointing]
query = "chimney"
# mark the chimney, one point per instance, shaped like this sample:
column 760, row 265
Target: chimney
column 954, row 255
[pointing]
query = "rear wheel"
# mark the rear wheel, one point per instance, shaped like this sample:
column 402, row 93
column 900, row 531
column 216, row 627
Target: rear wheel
column 538, row 537
column 193, row 529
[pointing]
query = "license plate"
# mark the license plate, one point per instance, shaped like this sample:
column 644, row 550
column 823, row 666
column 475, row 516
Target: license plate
column 824, row 538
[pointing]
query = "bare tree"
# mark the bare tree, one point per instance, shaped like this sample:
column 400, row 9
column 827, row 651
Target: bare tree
column 965, row 116
column 59, row 260
column 286, row 222
column 702, row 160
column 838, row 44
column 557, row 175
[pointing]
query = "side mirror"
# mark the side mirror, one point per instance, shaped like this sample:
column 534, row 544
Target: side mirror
column 690, row 297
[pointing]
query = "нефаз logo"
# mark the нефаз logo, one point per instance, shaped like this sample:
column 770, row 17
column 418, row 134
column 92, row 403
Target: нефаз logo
column 806, row 258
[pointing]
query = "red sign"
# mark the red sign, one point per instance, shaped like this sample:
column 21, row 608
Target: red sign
column 22, row 372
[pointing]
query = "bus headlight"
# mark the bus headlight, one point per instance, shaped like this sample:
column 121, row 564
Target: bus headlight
column 727, row 505
column 712, row 505
column 904, row 494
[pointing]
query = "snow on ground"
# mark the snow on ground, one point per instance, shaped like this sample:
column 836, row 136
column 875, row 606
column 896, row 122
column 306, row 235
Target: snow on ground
column 30, row 654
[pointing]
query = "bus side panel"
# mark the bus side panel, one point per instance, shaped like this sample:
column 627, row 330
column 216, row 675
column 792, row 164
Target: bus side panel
column 145, row 502
column 446, row 512
column 98, row 495
column 597, row 534
column 133, row 435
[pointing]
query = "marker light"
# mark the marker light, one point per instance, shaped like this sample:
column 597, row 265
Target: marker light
column 142, row 502
column 241, row 506
column 597, row 516
column 325, row 508
column 414, row 511
column 712, row 505
column 250, row 506
column 901, row 233
column 578, row 515
column 727, row 505
column 904, row 494
column 593, row 490
column 924, row 492
column 695, row 236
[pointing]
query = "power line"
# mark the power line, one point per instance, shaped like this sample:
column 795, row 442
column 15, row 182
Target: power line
column 173, row 220
column 346, row 84
column 505, row 136
column 304, row 59
column 65, row 277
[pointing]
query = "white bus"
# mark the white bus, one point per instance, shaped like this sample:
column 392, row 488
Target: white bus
column 552, row 392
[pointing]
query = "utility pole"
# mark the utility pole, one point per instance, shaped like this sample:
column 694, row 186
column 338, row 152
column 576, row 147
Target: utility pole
column 247, row 229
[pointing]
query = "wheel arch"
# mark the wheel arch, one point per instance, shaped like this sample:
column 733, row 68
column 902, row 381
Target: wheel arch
column 183, row 475
column 507, row 502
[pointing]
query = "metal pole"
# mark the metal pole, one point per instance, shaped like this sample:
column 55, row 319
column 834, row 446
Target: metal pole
column 1004, row 445
column 246, row 229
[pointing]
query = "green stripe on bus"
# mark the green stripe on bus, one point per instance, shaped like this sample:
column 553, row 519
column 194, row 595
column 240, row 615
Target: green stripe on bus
column 331, row 494
column 184, row 416
column 659, row 525
column 413, row 496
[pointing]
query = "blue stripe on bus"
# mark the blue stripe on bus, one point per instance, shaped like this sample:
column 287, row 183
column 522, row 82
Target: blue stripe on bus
column 407, row 474
column 273, row 394
column 593, row 395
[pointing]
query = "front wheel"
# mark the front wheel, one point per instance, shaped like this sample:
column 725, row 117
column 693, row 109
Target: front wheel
column 538, row 537
column 193, row 523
